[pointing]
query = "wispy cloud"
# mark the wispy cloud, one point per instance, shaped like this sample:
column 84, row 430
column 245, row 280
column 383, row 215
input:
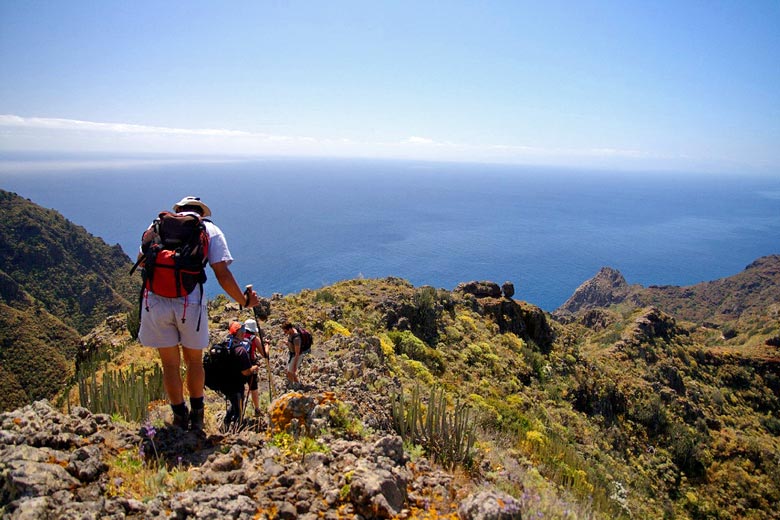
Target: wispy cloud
column 418, row 140
column 48, row 123
column 42, row 133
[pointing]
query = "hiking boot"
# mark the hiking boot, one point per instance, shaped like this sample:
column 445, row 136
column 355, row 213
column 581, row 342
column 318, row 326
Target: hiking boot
column 196, row 420
column 182, row 421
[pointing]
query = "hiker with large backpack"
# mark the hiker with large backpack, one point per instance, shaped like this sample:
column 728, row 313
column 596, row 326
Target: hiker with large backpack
column 299, row 341
column 236, row 374
column 174, row 252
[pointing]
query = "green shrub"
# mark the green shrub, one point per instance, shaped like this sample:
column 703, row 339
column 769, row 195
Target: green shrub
column 772, row 424
column 598, row 394
column 133, row 322
column 651, row 413
column 405, row 342
column 688, row 450
column 325, row 296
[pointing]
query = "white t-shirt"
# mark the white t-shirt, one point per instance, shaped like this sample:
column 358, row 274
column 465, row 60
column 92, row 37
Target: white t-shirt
column 218, row 248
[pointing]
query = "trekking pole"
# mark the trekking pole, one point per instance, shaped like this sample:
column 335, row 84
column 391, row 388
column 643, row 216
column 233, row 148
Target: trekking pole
column 240, row 424
column 258, row 318
column 268, row 367
column 248, row 296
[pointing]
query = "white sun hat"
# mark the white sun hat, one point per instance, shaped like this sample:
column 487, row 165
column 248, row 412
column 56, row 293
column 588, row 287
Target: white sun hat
column 192, row 201
column 251, row 326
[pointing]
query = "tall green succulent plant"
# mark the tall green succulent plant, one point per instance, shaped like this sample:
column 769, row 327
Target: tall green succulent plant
column 448, row 436
column 125, row 392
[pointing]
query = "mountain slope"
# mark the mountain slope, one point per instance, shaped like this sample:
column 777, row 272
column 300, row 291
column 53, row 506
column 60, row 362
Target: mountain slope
column 75, row 275
column 640, row 417
column 56, row 282
column 753, row 291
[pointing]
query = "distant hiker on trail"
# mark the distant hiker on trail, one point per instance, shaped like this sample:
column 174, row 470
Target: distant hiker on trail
column 258, row 348
column 298, row 345
column 244, row 370
column 174, row 252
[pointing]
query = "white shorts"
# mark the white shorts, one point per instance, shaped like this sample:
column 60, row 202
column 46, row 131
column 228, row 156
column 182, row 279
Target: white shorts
column 161, row 324
column 291, row 357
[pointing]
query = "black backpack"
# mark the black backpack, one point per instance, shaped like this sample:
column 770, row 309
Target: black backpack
column 175, row 253
column 221, row 365
column 306, row 339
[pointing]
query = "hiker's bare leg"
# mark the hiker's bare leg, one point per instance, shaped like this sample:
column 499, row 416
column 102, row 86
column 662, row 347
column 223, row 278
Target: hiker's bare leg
column 255, row 399
column 196, row 376
column 171, row 363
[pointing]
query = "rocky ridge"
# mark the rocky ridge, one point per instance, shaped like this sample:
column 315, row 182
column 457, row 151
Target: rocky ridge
column 58, row 465
column 756, row 290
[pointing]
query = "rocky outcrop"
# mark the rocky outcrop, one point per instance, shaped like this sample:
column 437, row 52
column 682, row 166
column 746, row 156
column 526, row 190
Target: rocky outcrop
column 55, row 465
column 521, row 319
column 754, row 291
column 490, row 505
column 479, row 289
column 607, row 288
column 508, row 288
column 598, row 319
column 650, row 332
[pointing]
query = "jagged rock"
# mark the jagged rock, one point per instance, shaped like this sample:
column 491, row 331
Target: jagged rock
column 639, row 339
column 377, row 491
column 32, row 508
column 490, row 505
column 483, row 289
column 214, row 502
column 508, row 288
column 417, row 311
column 26, row 472
column 263, row 309
column 598, row 319
column 296, row 408
column 523, row 320
column 391, row 447
column 653, row 323
column 607, row 288
column 86, row 463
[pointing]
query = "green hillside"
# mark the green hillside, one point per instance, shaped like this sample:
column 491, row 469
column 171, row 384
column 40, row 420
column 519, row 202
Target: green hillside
column 57, row 282
column 648, row 417
column 73, row 274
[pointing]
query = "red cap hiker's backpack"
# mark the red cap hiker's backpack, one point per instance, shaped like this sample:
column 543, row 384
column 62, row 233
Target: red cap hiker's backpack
column 175, row 253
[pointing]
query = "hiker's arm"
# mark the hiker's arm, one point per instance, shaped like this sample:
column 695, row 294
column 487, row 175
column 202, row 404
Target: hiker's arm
column 228, row 282
column 260, row 346
column 251, row 370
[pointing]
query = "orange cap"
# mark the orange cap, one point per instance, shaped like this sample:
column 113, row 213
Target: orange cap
column 235, row 326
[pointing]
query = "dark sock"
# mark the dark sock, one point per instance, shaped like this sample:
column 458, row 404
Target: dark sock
column 196, row 403
column 179, row 409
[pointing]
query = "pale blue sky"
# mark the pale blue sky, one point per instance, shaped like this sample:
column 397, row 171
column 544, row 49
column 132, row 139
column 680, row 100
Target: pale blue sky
column 681, row 85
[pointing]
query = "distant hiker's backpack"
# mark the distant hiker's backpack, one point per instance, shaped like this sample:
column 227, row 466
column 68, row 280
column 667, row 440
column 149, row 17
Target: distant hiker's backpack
column 221, row 365
column 175, row 254
column 306, row 339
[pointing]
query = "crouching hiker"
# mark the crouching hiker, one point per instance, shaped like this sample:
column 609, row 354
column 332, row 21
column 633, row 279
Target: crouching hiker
column 299, row 342
column 174, row 252
column 241, row 370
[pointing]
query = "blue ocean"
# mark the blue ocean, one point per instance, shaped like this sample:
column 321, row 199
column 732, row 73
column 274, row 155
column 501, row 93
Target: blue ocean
column 293, row 224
